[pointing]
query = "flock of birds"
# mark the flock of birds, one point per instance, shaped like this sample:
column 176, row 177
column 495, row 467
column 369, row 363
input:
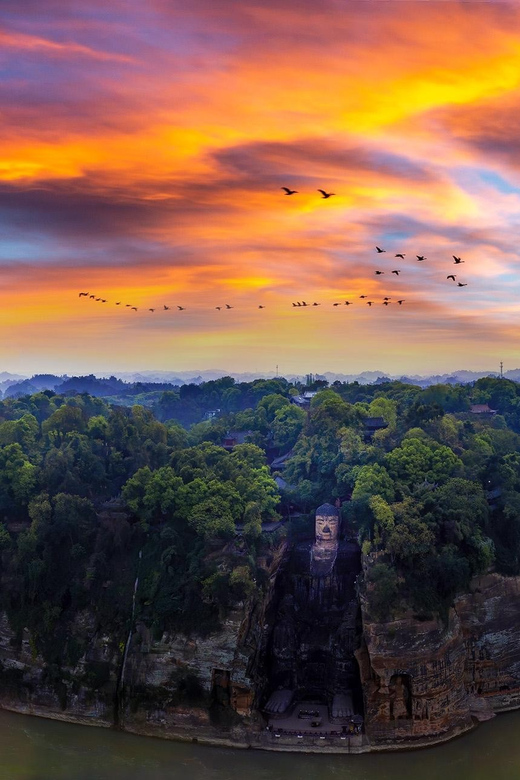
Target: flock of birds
column 299, row 304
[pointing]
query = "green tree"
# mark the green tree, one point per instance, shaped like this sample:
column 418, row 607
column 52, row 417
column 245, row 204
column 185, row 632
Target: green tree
column 372, row 480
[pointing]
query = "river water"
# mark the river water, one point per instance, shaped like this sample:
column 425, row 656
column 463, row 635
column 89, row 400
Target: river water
column 37, row 749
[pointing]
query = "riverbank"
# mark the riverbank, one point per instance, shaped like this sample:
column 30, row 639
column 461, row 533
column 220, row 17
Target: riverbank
column 249, row 740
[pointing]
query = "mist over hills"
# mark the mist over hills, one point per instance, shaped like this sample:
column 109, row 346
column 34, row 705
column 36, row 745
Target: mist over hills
column 15, row 385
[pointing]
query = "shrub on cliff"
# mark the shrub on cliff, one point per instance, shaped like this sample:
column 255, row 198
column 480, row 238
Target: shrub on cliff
column 382, row 591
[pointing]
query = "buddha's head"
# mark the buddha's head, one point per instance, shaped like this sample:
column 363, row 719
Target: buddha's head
column 327, row 524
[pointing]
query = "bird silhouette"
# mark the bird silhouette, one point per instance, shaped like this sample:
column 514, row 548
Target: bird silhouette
column 459, row 284
column 316, row 304
column 118, row 303
column 228, row 306
column 336, row 304
column 151, row 309
column 304, row 303
column 400, row 254
column 379, row 250
column 92, row 296
column 421, row 257
column 396, row 272
column 457, row 260
column 387, row 299
column 451, row 276
column 134, row 308
column 326, row 194
column 218, row 308
column 348, row 303
column 97, row 299
column 128, row 305
column 288, row 191
column 181, row 308
column 400, row 302
column 378, row 273
column 103, row 300
column 385, row 303
column 369, row 303
column 261, row 307
column 82, row 294
column 363, row 296
column 166, row 308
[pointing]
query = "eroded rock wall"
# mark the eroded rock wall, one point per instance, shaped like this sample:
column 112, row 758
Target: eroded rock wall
column 425, row 679
column 208, row 686
column 83, row 691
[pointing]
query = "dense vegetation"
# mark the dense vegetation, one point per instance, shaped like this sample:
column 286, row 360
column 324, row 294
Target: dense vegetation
column 434, row 497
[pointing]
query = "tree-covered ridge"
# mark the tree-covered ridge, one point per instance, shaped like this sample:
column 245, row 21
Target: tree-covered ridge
column 434, row 497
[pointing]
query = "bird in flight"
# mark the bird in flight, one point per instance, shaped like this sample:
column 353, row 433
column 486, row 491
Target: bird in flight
column 228, row 306
column 363, row 296
column 457, row 260
column 218, row 308
column 134, row 308
column 387, row 299
column 151, row 309
column 326, row 194
column 128, row 305
column 451, row 276
column 316, row 304
column 459, row 284
column 369, row 303
column 420, row 257
column 261, row 307
column 304, row 303
column 385, row 303
column 166, row 308
column 118, row 303
column 348, row 303
column 82, row 294
column 400, row 254
column 378, row 273
column 336, row 304
column 288, row 191
column 396, row 272
column 181, row 308
column 92, row 296
column 379, row 250
column 400, row 302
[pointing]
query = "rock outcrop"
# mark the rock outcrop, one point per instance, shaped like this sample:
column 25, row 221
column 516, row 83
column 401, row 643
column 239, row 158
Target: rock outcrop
column 423, row 680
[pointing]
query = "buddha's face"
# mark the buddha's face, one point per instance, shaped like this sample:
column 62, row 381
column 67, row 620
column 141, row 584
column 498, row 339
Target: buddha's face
column 327, row 529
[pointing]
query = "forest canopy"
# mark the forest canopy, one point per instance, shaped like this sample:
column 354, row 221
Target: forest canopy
column 179, row 488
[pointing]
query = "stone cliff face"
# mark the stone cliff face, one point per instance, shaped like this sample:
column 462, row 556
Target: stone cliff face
column 84, row 692
column 425, row 680
column 421, row 680
column 177, row 686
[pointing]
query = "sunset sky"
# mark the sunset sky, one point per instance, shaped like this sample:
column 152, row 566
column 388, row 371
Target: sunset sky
column 143, row 147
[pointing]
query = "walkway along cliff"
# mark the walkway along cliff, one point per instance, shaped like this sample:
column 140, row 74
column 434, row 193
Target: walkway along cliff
column 305, row 668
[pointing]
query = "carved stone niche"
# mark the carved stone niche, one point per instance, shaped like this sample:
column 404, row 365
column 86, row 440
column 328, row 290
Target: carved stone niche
column 400, row 697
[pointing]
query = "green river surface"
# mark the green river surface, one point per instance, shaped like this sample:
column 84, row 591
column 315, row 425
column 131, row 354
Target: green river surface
column 38, row 749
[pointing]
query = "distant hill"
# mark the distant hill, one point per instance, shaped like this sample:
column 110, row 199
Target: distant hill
column 133, row 382
column 35, row 384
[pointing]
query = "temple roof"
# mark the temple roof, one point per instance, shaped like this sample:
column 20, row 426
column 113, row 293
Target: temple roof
column 327, row 510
